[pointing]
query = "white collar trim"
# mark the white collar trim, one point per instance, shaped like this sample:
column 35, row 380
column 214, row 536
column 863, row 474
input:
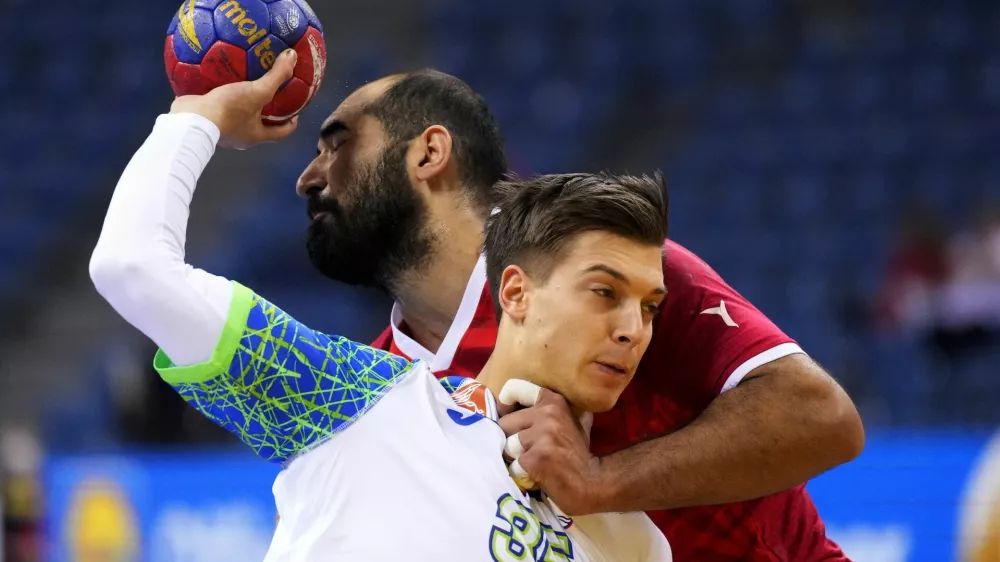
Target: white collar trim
column 463, row 318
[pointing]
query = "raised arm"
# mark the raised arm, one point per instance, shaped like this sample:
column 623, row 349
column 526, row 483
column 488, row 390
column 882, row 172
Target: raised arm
column 232, row 355
column 138, row 265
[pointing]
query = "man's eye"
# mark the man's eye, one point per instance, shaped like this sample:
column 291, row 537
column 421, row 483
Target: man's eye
column 606, row 293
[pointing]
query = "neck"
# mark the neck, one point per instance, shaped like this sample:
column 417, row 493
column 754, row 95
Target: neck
column 500, row 368
column 430, row 298
column 510, row 361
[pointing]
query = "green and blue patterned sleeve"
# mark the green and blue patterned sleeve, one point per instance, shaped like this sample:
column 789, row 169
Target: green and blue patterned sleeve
column 279, row 386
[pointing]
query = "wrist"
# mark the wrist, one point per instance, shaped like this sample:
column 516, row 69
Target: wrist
column 193, row 120
column 198, row 115
column 601, row 497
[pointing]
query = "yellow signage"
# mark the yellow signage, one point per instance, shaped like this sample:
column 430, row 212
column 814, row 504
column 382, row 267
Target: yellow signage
column 101, row 525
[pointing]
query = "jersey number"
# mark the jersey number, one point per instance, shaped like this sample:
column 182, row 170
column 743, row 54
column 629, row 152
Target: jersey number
column 518, row 535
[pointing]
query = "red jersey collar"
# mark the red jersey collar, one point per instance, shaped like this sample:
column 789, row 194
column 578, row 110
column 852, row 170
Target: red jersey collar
column 463, row 318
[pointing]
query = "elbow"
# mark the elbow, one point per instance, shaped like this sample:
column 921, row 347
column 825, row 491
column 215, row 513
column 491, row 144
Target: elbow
column 827, row 419
column 108, row 271
column 121, row 279
column 840, row 426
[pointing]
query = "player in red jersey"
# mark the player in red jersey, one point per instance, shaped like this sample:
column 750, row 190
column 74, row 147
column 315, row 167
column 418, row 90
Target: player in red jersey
column 726, row 412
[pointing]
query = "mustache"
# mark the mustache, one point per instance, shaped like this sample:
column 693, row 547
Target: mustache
column 319, row 204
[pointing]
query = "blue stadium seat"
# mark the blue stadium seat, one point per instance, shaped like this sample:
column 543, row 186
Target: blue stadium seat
column 600, row 55
column 589, row 12
column 681, row 56
column 21, row 234
column 132, row 74
column 930, row 86
column 948, row 30
column 66, row 73
column 8, row 78
column 804, row 198
column 28, row 131
column 869, row 190
column 555, row 105
column 452, row 55
column 886, row 36
column 678, row 14
column 737, row 107
column 898, row 363
column 825, row 143
column 804, row 94
column 886, row 137
column 739, row 201
column 35, row 30
column 523, row 53
column 989, row 82
column 83, row 422
column 100, row 127
column 865, row 90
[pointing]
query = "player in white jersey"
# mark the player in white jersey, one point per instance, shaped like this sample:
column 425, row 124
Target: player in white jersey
column 380, row 461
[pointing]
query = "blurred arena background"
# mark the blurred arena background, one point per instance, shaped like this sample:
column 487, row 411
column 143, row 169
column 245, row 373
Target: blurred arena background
column 837, row 161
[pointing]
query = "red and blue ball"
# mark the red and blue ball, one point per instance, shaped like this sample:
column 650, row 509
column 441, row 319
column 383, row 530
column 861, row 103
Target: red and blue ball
column 215, row 42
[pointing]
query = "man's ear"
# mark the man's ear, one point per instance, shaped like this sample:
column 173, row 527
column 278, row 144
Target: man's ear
column 430, row 153
column 513, row 294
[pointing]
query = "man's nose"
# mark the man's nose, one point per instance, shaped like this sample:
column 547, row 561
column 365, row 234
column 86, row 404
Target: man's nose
column 629, row 329
column 312, row 178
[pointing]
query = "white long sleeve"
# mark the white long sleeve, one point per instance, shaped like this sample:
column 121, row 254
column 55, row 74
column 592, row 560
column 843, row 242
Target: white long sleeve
column 138, row 265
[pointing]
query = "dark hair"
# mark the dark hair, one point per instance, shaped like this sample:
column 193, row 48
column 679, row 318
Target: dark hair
column 428, row 97
column 538, row 217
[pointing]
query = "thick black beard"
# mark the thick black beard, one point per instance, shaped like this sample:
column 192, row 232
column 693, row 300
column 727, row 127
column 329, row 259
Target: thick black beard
column 380, row 236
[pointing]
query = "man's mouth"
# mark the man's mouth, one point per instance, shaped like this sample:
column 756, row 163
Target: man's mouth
column 612, row 368
column 317, row 208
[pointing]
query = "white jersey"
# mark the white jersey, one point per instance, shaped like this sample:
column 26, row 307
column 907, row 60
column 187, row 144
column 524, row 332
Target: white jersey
column 381, row 462
column 415, row 477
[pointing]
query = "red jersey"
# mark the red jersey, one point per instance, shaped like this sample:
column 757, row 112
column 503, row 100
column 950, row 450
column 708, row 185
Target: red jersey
column 706, row 339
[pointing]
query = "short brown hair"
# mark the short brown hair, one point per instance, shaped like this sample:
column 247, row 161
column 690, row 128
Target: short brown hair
column 538, row 217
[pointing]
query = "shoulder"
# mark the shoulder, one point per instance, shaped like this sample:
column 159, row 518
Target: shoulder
column 685, row 272
column 699, row 300
column 692, row 285
column 706, row 329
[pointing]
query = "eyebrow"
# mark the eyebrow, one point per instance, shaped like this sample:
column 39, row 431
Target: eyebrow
column 332, row 128
column 619, row 276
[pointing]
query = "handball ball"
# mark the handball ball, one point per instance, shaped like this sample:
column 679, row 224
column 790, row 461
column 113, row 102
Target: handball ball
column 215, row 42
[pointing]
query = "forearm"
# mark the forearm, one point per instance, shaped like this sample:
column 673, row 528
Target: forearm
column 771, row 433
column 138, row 265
